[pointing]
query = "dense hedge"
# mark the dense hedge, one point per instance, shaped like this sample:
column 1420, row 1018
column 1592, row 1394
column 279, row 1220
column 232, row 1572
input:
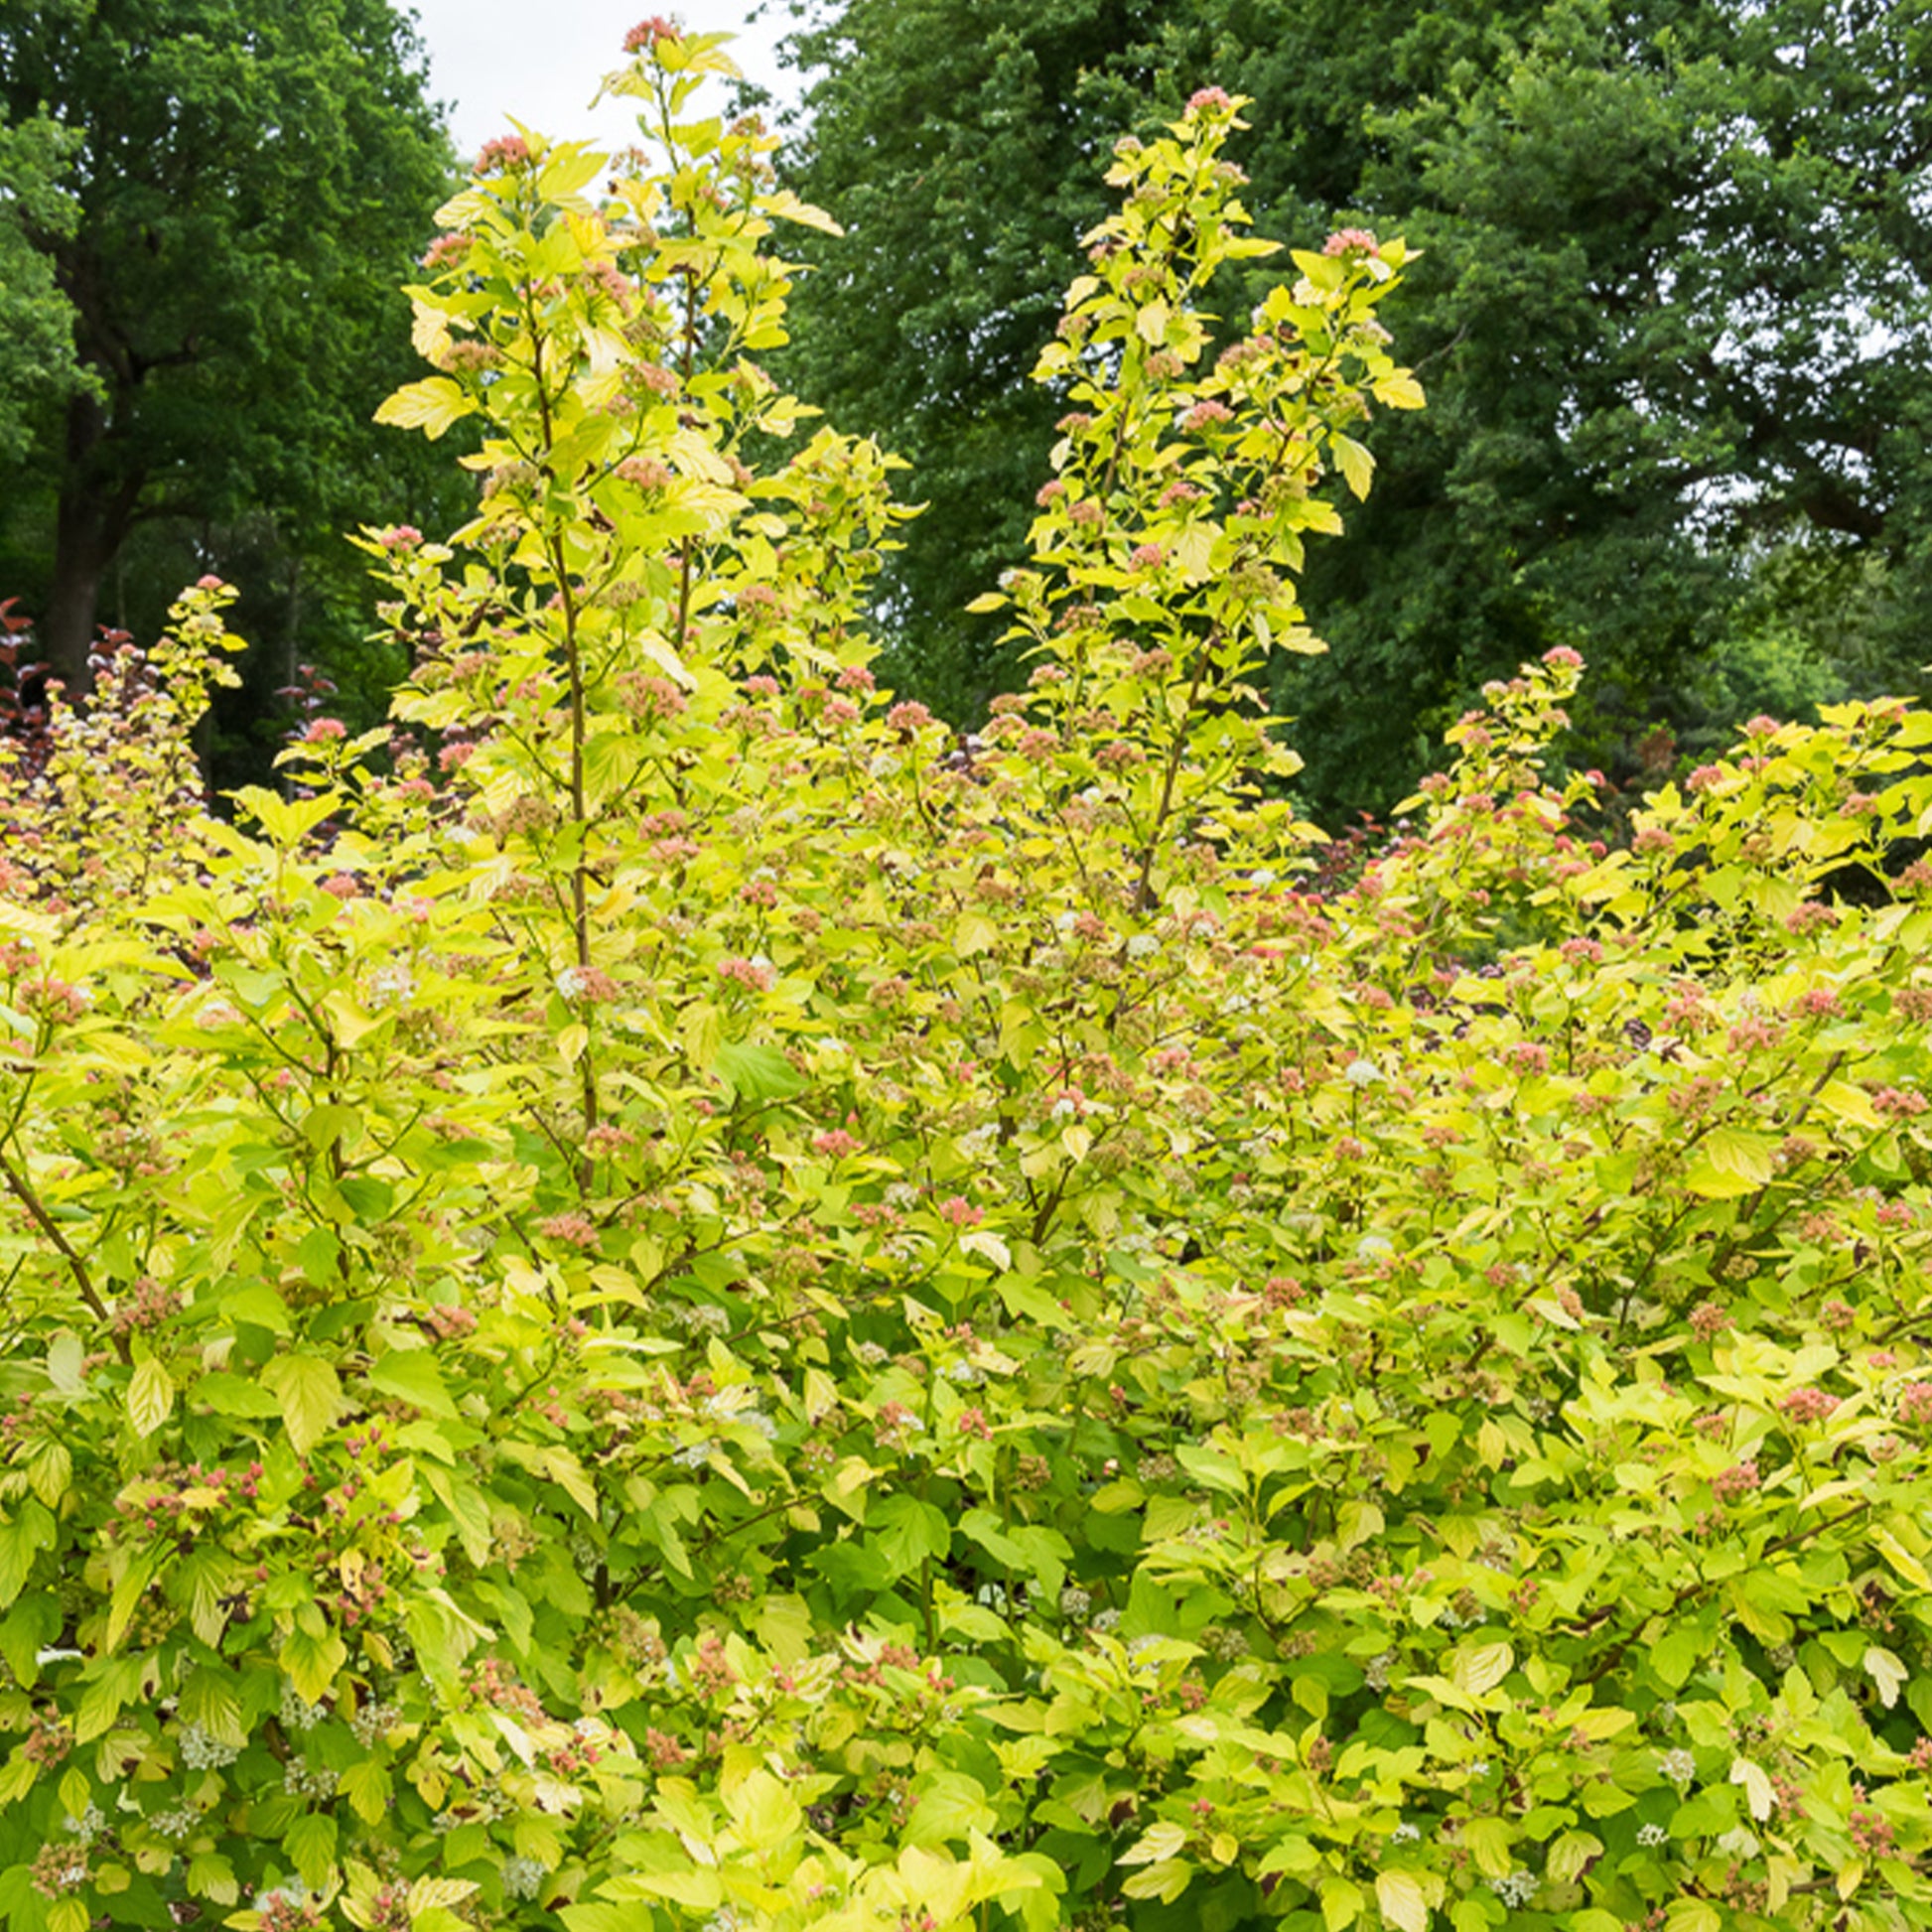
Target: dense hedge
column 680, row 1303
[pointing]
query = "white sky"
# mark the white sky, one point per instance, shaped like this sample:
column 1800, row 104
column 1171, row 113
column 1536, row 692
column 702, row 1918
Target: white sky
column 542, row 60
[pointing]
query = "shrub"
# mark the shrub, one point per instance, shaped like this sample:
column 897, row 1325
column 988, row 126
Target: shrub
column 694, row 1306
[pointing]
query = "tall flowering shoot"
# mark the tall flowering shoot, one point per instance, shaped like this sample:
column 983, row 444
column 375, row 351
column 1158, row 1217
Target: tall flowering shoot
column 1186, row 481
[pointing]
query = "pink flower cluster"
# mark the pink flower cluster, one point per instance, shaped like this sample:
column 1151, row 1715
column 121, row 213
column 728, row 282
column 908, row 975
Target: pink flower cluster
column 447, row 249
column 1807, row 1405
column 1350, row 241
column 504, row 155
column 647, row 34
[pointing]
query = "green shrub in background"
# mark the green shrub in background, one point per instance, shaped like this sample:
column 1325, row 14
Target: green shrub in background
column 696, row 1308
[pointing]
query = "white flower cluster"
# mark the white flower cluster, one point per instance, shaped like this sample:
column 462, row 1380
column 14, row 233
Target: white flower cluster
column 713, row 1321
column 389, row 986
column 479, row 1807
column 1517, row 1889
column 522, row 1878
column 1107, row 1620
column 1142, row 945
column 177, row 1822
column 694, row 1455
column 300, row 1779
column 1375, row 1673
column 1652, row 1835
column 298, row 1714
column 1076, row 1603
column 88, row 1826
column 868, row 1354
column 1226, row 1643
column 751, row 1418
column 1405, row 1835
column 374, row 1721
column 1679, row 1766
column 201, row 1752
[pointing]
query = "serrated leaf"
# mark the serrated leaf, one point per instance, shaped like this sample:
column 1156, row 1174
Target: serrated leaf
column 66, row 1355
column 312, row 1662
column 759, row 1072
column 233, row 1395
column 413, row 1374
column 366, row 1787
column 786, row 206
column 1570, row 1854
column 1163, row 1839
column 973, row 933
column 1401, row 391
column 1751, row 1158
column 150, row 1395
column 1356, row 464
column 1341, row 1903
column 1478, row 1670
column 983, row 1241
column 1756, row 1782
column 1887, row 1672
column 428, row 1895
column 310, row 1394
column 1400, row 1898
column 211, row 1877
column 762, row 1812
column 311, row 1845
column 430, row 405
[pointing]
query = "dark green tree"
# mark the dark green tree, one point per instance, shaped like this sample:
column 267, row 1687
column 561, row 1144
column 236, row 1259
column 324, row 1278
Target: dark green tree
column 36, row 359
column 244, row 188
column 1674, row 312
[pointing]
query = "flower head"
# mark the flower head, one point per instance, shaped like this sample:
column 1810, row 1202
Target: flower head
column 648, row 35
column 508, row 154
column 1350, row 241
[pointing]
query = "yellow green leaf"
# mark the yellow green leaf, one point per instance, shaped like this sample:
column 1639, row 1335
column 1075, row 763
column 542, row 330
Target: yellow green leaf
column 430, row 405
column 150, row 1395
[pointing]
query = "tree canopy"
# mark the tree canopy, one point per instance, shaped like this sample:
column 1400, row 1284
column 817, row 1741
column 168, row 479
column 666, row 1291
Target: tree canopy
column 36, row 359
column 1672, row 307
column 239, row 191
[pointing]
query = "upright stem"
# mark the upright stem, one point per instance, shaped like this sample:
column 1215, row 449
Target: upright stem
column 580, row 898
column 688, row 361
column 1142, row 890
column 22, row 1191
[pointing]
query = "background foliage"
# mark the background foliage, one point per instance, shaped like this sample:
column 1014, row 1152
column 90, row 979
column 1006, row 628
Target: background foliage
column 1671, row 301
column 219, row 229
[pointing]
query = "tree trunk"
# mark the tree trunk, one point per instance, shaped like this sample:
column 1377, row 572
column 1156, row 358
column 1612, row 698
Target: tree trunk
column 95, row 515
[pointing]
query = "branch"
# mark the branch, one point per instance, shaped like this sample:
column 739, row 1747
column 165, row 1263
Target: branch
column 17, row 1185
